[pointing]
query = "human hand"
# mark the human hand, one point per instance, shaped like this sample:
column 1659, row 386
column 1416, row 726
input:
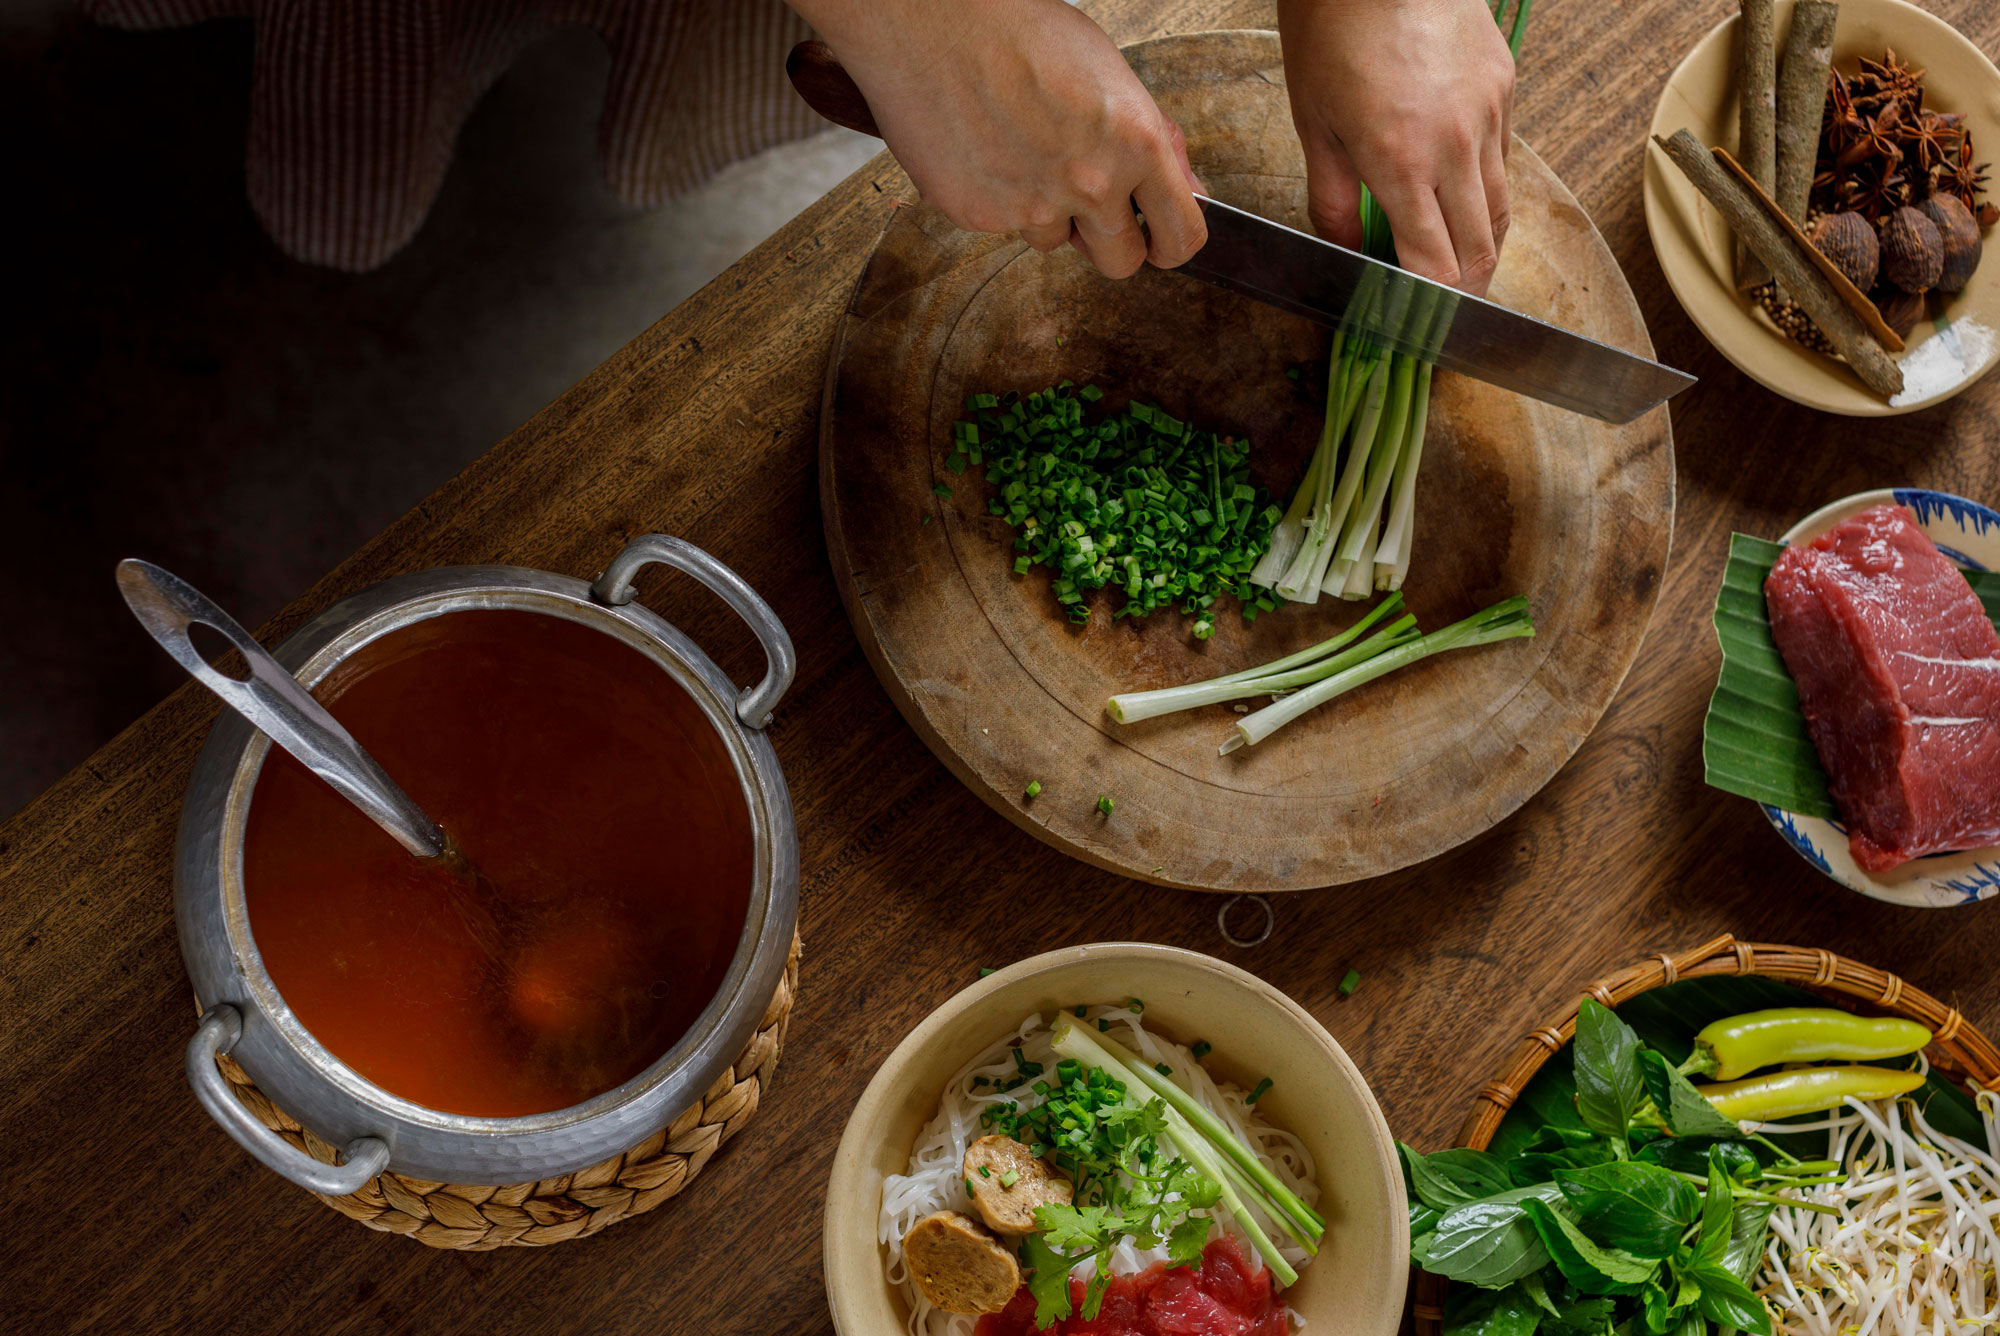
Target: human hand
column 1021, row 116
column 1414, row 97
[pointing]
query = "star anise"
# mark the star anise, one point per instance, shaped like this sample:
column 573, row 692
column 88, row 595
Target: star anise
column 1930, row 141
column 1840, row 124
column 1885, row 83
column 1874, row 191
column 1877, row 139
column 1964, row 178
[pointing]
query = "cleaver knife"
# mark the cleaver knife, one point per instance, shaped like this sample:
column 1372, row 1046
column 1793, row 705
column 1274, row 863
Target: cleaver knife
column 1362, row 297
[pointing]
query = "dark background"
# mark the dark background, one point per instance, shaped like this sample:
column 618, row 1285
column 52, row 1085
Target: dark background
column 172, row 386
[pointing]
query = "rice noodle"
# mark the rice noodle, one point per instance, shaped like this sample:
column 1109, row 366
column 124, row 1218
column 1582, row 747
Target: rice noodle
column 935, row 1180
column 1915, row 1243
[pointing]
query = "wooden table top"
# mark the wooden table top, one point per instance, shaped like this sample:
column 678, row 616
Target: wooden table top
column 133, row 1213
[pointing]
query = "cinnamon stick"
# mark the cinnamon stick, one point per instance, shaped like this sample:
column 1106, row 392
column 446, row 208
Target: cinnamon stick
column 1801, row 102
column 1775, row 247
column 1756, row 140
column 1857, row 301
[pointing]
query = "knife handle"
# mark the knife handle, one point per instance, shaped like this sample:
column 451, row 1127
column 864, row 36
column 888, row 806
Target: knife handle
column 828, row 88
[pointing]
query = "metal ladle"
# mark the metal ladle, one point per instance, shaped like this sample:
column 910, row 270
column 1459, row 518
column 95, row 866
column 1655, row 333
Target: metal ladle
column 275, row 704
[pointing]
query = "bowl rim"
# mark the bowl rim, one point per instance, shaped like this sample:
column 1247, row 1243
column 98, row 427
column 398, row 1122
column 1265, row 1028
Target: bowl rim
column 882, row 1094
column 1926, row 882
column 1723, row 335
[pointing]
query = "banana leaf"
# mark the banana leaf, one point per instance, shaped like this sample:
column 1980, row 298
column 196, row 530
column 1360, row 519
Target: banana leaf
column 1754, row 743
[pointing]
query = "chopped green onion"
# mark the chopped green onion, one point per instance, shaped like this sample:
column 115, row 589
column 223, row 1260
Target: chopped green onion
column 1202, row 1048
column 984, row 1172
column 1010, row 1178
column 1349, row 982
column 985, row 970
column 1082, row 1011
column 939, row 489
column 1104, row 804
column 1135, row 1006
column 1163, row 1069
column 1263, row 1088
column 925, row 521
column 1034, row 788
column 1103, row 1026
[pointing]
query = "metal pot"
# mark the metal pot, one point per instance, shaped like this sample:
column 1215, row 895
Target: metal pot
column 245, row 1016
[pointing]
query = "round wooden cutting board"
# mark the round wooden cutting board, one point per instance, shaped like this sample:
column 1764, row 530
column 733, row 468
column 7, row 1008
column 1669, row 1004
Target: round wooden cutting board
column 1514, row 497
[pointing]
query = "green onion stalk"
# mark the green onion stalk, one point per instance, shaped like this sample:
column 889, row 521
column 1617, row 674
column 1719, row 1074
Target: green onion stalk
column 1350, row 525
column 1506, row 620
column 1206, row 1143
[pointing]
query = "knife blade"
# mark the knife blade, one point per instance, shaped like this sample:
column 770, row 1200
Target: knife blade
column 1346, row 290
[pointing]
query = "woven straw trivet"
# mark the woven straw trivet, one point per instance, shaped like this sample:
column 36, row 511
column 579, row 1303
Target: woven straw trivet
column 1957, row 1048
column 572, row 1206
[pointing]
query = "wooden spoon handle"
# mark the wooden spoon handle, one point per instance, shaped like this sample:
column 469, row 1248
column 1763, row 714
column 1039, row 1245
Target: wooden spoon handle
column 828, row 88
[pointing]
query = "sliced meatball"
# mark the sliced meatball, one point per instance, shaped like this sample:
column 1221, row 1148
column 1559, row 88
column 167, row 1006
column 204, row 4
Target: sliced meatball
column 1008, row 1182
column 959, row 1265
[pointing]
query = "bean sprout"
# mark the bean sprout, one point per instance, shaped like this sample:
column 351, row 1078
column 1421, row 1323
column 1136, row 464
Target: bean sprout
column 1914, row 1244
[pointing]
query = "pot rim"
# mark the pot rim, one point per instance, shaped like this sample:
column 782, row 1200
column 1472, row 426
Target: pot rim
column 316, row 649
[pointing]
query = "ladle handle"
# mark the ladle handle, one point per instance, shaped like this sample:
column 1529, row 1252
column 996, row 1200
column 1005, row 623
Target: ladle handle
column 753, row 707
column 272, row 700
column 221, row 1026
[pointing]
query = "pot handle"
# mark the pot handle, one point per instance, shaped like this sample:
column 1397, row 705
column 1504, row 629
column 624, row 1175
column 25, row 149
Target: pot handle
column 754, row 706
column 221, row 1026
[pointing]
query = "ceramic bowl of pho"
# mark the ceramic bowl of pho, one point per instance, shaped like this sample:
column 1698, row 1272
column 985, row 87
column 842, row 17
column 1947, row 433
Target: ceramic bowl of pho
column 1951, row 340
column 1967, row 533
column 1122, row 1138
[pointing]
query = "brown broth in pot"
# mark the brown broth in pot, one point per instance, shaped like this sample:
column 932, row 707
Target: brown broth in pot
column 600, row 804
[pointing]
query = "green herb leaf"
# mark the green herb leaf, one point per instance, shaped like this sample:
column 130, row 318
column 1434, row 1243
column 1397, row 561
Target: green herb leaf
column 1718, row 1207
column 1591, row 1267
column 1507, row 1312
column 1556, row 1148
column 1640, row 1208
column 1684, row 1108
column 1488, row 1243
column 1748, row 1224
column 1184, row 1245
column 1727, row 1301
column 1609, row 1085
column 1452, row 1177
column 1048, row 1280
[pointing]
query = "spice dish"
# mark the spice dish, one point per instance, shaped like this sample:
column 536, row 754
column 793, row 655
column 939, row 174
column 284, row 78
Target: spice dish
column 1696, row 247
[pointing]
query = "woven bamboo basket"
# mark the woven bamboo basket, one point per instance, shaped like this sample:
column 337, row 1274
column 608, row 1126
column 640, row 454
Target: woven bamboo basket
column 1957, row 1048
column 475, row 1218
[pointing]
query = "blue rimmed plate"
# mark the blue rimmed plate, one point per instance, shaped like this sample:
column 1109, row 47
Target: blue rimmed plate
column 1969, row 534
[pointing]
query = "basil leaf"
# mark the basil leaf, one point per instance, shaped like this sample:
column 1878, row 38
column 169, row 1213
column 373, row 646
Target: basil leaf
column 1560, row 1148
column 1689, row 1155
column 1747, row 1227
column 1653, row 1301
column 1691, row 1324
column 1582, row 1317
column 1452, row 1177
column 1687, row 1112
column 1728, row 1301
column 1640, row 1208
column 1588, row 1266
column 1488, row 1243
column 1609, row 1084
column 1718, row 1208
column 1507, row 1312
column 1538, row 1291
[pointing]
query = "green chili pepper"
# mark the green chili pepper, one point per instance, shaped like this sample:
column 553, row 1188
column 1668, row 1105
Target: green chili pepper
column 1805, row 1090
column 1739, row 1045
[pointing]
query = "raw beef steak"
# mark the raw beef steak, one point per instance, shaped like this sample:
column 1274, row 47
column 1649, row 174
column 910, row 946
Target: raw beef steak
column 1898, row 668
